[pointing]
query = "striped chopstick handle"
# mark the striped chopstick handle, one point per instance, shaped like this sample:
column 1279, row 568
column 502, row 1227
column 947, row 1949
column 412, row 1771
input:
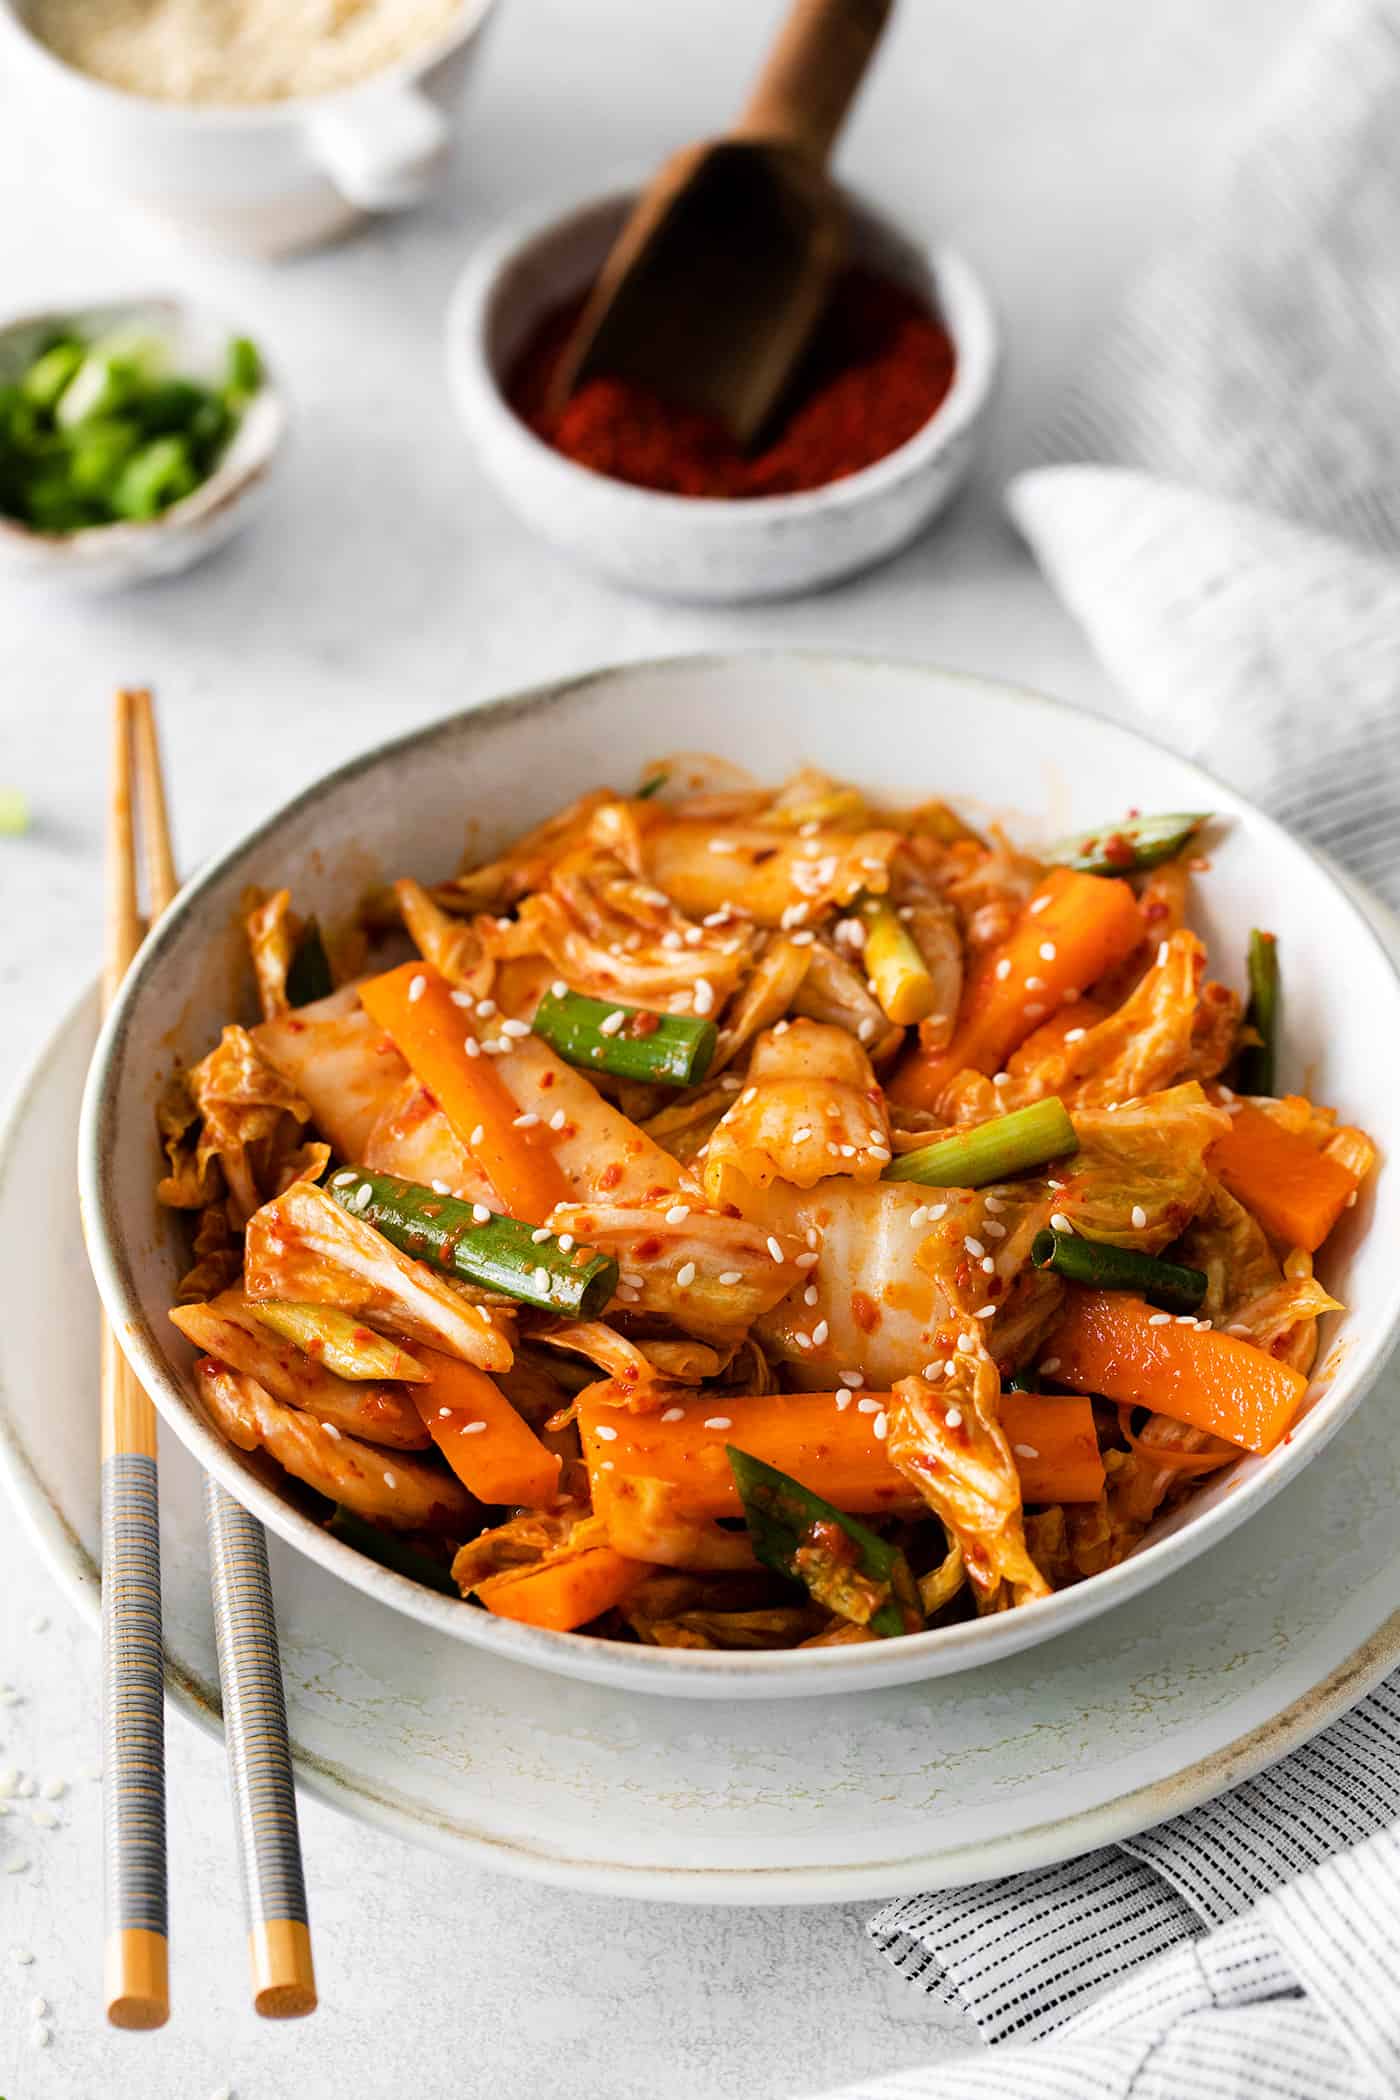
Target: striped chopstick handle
column 259, row 1760
column 133, row 1794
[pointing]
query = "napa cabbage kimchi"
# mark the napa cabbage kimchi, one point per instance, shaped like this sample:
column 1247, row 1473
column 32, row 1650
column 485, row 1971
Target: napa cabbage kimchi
column 750, row 1218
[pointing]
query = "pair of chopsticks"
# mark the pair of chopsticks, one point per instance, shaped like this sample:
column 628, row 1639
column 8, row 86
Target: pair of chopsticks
column 136, row 1955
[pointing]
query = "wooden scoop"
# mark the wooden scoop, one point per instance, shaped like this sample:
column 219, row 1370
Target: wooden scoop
column 713, row 287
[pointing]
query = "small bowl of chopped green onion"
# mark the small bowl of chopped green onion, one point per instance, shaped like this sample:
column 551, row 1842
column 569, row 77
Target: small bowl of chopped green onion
column 135, row 438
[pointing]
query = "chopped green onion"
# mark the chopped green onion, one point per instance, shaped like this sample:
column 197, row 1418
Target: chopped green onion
column 496, row 1253
column 1256, row 1065
column 627, row 1041
column 651, row 787
column 1128, row 847
column 994, row 1151
column 309, row 972
column 337, row 1340
column 160, row 474
column 244, row 374
column 798, row 1534
column 1105, row 1267
column 895, row 966
column 389, row 1550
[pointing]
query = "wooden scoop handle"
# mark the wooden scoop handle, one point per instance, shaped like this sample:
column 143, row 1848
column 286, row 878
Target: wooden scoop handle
column 810, row 79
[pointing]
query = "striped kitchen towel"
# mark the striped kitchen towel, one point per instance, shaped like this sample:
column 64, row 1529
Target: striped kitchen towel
column 1219, row 505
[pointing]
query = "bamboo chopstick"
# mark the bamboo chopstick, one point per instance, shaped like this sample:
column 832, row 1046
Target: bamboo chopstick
column 255, row 1718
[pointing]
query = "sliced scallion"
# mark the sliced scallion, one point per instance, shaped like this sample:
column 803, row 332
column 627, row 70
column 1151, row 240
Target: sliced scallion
column 969, row 1159
column 1108, row 1268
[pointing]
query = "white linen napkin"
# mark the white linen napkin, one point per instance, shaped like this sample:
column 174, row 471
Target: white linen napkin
column 1221, row 513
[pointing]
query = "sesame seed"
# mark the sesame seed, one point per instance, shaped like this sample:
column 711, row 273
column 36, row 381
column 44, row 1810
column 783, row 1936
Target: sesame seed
column 1075, row 1035
column 416, row 988
column 486, row 1007
column 1050, row 1366
column 718, row 1422
column 954, row 1418
column 988, row 1265
column 461, row 998
column 678, row 1213
column 866, row 1029
column 1186, row 1319
column 607, row 1433
column 1047, row 951
column 1201, row 1326
column 329, row 1429
column 881, row 1426
column 54, row 1789
column 1163, row 952
column 1039, row 903
column 611, row 1023
column 973, row 1246
column 1035, row 1013
column 843, row 1401
column 1035, row 984
column 1003, row 969
column 811, row 1295
column 847, row 1151
column 820, row 1333
column 671, row 939
column 802, row 1134
column 803, row 939
column 703, row 998
column 559, row 989
column 880, row 1154
column 540, row 1280
column 478, row 1136
column 515, row 1029
column 1025, row 1451
column 442, row 1188
column 918, row 1217
column 540, row 1234
column 806, row 1261
column 1160, row 1320
column 728, row 1276
column 363, row 1196
column 481, row 1214
column 994, row 1228
column 22, row 1956
column 1238, row 1327
column 867, row 1406
column 1059, row 1222
column 1001, row 1079
column 391, row 1480
column 693, row 936
column 607, row 1466
column 950, row 1369
column 782, row 1027
column 38, row 2007
column 527, row 1121
column 40, row 2036
column 985, row 1312
column 851, row 1378
column 495, row 1046
column 1139, row 1216
column 717, row 845
column 566, row 1242
column 633, row 1278
column 1350, row 1203
column 1226, row 1093
column 937, row 1211
column 685, row 1275
column 558, row 1119
column 445, row 1412
column 16, row 1866
column 774, row 1248
column 471, row 1046
column 731, row 1082
column 716, row 918
column 811, row 1236
column 674, row 1414
column 472, row 1428
column 340, row 1181
column 750, row 1093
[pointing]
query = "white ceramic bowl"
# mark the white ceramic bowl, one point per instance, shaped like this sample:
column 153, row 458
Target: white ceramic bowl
column 263, row 179
column 680, row 546
column 107, row 557
column 899, row 730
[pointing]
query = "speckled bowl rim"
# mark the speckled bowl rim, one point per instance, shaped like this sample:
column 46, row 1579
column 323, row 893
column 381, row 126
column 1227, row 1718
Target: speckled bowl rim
column 472, row 376
column 669, row 1671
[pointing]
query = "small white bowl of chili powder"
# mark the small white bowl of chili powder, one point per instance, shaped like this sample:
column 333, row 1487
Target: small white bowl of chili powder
column 874, row 436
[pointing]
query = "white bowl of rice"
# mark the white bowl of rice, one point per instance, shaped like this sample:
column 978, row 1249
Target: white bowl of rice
column 256, row 127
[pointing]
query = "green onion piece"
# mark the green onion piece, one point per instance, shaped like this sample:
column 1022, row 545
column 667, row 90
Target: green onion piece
column 496, row 1253
column 1108, row 1268
column 333, row 1338
column 798, row 1534
column 1256, row 1063
column 309, row 971
column 1125, row 848
column 895, row 965
column 651, row 787
column 160, row 474
column 390, row 1550
column 994, row 1151
column 49, row 375
column 675, row 1049
column 244, row 374
column 14, row 813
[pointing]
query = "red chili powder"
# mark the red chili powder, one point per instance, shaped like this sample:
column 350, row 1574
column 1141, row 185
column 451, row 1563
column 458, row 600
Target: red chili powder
column 878, row 366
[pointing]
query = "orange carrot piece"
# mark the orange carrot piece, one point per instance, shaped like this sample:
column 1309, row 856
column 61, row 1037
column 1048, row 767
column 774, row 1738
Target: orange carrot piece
column 505, row 1461
column 430, row 1031
column 1107, row 1344
column 1072, row 930
column 565, row 1593
column 1055, row 1446
column 1296, row 1192
column 836, row 1454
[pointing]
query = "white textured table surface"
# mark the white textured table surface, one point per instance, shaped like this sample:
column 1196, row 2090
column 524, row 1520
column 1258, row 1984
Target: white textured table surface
column 385, row 587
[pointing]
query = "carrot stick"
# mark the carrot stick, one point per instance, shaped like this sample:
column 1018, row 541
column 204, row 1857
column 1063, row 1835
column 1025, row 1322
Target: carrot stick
column 562, row 1594
column 1072, row 930
column 1296, row 1192
column 834, row 1452
column 1107, row 1344
column 430, row 1030
column 505, row 1461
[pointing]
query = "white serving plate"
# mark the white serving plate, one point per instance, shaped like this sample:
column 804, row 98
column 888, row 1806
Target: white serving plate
column 898, row 729
column 1143, row 1714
